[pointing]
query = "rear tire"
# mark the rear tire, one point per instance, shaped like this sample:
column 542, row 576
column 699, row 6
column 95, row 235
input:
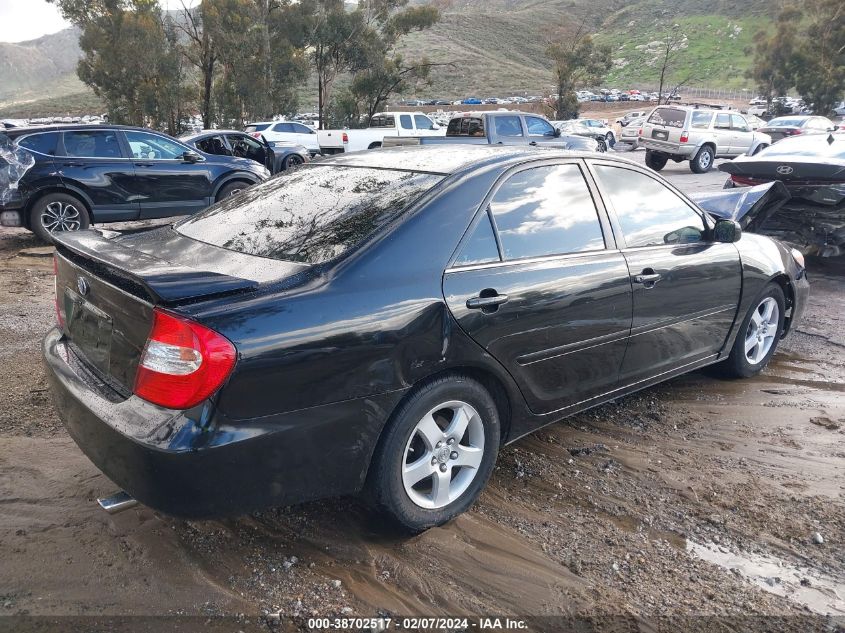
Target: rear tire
column 436, row 453
column 655, row 161
column 703, row 160
column 57, row 213
column 231, row 189
column 758, row 335
column 294, row 160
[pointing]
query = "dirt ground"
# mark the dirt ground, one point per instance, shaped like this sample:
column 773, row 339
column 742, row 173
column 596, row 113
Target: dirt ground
column 698, row 498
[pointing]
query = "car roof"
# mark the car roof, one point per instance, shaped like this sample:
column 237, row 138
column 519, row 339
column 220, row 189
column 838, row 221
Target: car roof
column 64, row 127
column 450, row 159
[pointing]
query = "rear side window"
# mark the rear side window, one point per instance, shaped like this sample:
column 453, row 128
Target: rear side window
column 44, row 143
column 405, row 121
column 260, row 127
column 723, row 121
column 507, row 126
column 283, row 127
column 466, row 126
column 701, row 120
column 649, row 213
column 668, row 117
column 92, row 144
column 546, row 211
column 309, row 215
column 481, row 246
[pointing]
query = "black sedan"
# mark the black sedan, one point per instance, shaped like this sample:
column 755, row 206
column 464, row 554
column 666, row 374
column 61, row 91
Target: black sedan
column 383, row 322
column 85, row 174
column 275, row 156
column 812, row 168
column 785, row 126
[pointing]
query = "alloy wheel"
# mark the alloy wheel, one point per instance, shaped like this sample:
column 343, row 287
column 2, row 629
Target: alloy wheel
column 60, row 216
column 443, row 455
column 762, row 330
column 704, row 160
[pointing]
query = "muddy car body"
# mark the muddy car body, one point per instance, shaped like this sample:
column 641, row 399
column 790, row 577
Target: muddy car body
column 450, row 305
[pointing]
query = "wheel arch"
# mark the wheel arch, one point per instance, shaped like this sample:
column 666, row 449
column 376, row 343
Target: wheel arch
column 236, row 176
column 783, row 280
column 65, row 189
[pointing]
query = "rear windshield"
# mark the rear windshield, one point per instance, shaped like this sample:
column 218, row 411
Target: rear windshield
column 786, row 122
column 309, row 215
column 669, row 117
column 259, row 127
column 466, row 126
column 813, row 145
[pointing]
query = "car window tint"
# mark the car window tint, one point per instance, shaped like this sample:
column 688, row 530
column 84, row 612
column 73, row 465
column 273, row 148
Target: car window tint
column 539, row 127
column 481, row 246
column 507, row 126
column 546, row 211
column 649, row 213
column 152, row 146
column 286, row 128
column 300, row 129
column 701, row 120
column 383, row 121
column 213, row 145
column 669, row 117
column 423, row 122
column 309, row 215
column 92, row 144
column 44, row 143
column 405, row 121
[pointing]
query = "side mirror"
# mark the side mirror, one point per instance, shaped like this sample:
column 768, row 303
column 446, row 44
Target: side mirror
column 191, row 157
column 557, row 132
column 727, row 231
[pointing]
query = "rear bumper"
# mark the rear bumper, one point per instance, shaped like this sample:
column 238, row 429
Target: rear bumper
column 196, row 464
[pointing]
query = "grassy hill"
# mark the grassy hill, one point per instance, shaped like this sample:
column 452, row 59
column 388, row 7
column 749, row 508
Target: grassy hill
column 496, row 48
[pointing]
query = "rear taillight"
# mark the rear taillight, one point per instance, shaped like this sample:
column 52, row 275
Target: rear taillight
column 684, row 137
column 345, row 137
column 640, row 132
column 183, row 362
column 256, row 135
column 794, row 132
column 60, row 318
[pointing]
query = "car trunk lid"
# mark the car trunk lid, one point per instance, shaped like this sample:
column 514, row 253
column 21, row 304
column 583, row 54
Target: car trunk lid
column 106, row 291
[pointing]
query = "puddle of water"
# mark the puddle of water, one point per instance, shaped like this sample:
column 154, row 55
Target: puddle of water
column 819, row 593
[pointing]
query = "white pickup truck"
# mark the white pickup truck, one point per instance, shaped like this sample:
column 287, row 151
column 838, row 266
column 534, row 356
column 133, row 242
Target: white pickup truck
column 403, row 124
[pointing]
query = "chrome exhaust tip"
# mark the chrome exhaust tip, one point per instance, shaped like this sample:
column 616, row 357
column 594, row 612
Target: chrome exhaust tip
column 118, row 502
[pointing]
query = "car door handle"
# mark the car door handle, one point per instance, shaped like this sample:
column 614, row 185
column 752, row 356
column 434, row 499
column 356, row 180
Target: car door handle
column 145, row 165
column 534, row 143
column 479, row 303
column 648, row 278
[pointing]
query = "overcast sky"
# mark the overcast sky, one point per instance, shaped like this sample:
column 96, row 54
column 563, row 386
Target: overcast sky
column 22, row 20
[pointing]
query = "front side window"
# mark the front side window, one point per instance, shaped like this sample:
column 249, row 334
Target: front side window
column 152, row 146
column 546, row 211
column 539, row 127
column 649, row 213
column 213, row 145
column 309, row 215
column 92, row 144
column 507, row 126
column 245, row 146
column 283, row 127
column 739, row 123
column 423, row 122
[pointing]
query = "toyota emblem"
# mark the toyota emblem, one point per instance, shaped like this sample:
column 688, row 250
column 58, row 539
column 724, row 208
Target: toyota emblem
column 785, row 170
column 82, row 286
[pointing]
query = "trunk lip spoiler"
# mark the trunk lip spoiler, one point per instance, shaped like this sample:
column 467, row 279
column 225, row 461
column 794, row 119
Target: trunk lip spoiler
column 164, row 282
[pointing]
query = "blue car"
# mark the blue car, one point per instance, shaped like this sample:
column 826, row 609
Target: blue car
column 471, row 101
column 85, row 174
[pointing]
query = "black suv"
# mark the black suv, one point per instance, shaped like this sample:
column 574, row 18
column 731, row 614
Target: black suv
column 107, row 173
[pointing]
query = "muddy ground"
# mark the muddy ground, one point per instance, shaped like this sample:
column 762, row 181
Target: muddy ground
column 699, row 497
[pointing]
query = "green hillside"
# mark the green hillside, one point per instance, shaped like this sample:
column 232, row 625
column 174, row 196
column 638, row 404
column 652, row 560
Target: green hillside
column 495, row 47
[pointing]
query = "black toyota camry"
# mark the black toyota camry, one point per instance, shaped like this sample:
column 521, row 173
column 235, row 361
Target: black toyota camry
column 383, row 322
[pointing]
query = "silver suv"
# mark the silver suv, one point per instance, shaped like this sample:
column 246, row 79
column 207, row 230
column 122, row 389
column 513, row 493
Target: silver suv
column 697, row 135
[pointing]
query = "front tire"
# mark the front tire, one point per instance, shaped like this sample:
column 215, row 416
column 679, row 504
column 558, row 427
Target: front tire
column 57, row 213
column 703, row 160
column 758, row 335
column 436, row 453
